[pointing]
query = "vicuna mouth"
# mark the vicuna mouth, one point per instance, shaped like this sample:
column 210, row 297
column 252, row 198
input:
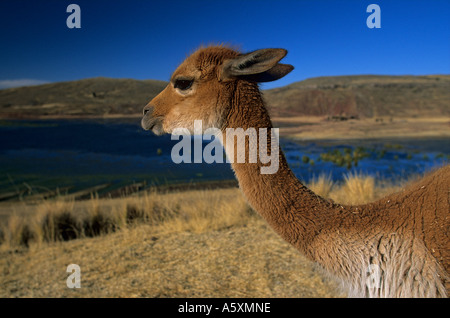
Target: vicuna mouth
column 152, row 123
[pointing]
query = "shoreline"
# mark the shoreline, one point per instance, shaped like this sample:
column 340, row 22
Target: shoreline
column 320, row 128
column 64, row 117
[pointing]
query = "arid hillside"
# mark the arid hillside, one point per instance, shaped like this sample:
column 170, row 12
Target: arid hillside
column 342, row 96
column 88, row 97
column 364, row 97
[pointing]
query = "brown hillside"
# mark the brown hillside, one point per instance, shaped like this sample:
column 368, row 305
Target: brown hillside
column 363, row 96
column 95, row 97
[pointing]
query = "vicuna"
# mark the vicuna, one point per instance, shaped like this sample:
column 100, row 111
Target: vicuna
column 395, row 247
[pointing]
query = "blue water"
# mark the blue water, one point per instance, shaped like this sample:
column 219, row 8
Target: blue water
column 84, row 153
column 393, row 160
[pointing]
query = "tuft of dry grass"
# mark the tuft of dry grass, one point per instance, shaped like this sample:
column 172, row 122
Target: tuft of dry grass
column 355, row 189
column 321, row 185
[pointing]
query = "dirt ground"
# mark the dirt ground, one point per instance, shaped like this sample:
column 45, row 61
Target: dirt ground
column 242, row 261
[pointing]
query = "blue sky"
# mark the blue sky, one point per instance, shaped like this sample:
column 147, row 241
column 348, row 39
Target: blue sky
column 148, row 39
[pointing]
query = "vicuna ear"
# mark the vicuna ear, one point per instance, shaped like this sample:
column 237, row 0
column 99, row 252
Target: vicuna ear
column 257, row 66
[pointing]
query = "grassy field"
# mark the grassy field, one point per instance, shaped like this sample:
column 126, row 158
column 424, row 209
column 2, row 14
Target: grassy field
column 204, row 243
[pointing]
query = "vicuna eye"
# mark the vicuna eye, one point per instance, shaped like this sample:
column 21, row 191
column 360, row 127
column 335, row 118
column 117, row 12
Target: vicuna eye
column 183, row 84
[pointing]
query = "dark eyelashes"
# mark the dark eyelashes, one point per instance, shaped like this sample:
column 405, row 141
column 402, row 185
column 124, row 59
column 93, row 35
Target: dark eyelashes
column 183, row 84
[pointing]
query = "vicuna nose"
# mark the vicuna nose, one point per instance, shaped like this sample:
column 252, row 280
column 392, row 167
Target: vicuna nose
column 147, row 109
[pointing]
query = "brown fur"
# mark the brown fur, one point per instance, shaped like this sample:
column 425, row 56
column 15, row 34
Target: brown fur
column 405, row 234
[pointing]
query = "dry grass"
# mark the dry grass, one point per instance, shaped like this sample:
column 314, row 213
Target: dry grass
column 322, row 185
column 63, row 220
column 356, row 188
column 184, row 244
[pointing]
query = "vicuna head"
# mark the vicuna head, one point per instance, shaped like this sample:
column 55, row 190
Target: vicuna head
column 202, row 87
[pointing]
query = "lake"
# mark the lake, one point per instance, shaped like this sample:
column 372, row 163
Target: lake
column 41, row 155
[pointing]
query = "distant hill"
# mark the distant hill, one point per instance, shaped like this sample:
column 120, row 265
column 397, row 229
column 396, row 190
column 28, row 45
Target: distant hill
column 363, row 96
column 357, row 96
column 95, row 96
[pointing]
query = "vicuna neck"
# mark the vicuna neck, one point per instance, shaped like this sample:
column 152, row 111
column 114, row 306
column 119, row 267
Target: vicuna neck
column 294, row 211
column 345, row 240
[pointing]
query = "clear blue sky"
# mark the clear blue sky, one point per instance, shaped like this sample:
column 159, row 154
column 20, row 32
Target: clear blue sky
column 148, row 39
